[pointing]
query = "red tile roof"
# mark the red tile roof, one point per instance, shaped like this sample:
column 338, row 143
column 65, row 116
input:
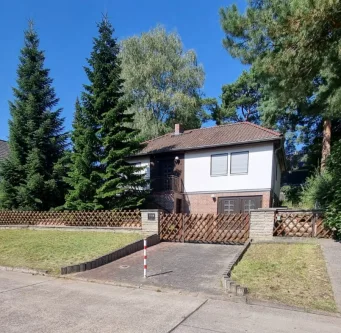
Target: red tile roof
column 229, row 134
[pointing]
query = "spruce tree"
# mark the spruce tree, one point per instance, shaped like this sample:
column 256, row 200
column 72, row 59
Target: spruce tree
column 82, row 176
column 30, row 178
column 103, row 137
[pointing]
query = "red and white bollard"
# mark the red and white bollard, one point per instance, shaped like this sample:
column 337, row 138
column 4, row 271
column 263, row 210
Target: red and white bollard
column 144, row 258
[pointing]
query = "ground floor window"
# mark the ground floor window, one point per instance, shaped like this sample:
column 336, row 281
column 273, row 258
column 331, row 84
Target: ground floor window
column 228, row 205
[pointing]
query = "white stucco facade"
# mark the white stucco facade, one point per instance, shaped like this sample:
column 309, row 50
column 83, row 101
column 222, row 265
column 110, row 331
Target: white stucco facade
column 144, row 162
column 198, row 176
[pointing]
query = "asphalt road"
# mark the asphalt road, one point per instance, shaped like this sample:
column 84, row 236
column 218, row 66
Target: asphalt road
column 42, row 304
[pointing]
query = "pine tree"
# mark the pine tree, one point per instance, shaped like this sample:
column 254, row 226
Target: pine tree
column 103, row 137
column 30, row 179
column 293, row 47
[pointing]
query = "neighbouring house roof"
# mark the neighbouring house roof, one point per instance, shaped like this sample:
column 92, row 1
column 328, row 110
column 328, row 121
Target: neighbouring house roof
column 223, row 135
column 4, row 149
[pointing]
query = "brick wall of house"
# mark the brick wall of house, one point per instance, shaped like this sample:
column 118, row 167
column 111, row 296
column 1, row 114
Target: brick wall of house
column 204, row 203
column 166, row 200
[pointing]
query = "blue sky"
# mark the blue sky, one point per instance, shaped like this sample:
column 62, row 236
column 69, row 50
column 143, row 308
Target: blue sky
column 66, row 29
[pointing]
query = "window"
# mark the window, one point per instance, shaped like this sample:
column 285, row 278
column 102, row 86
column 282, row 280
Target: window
column 229, row 206
column 248, row 205
column 219, row 165
column 239, row 162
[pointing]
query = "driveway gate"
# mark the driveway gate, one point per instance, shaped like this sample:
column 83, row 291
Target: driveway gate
column 205, row 228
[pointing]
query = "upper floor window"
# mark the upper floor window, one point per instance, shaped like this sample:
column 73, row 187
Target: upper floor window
column 219, row 165
column 240, row 163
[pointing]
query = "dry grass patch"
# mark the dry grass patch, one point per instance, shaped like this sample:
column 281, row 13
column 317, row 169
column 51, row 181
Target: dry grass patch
column 51, row 249
column 293, row 274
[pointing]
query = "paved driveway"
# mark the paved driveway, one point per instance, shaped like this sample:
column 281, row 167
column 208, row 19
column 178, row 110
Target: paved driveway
column 190, row 267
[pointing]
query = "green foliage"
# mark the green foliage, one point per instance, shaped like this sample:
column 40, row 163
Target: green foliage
column 32, row 176
column 103, row 137
column 163, row 81
column 292, row 195
column 334, row 202
column 323, row 190
column 316, row 191
column 294, row 44
column 293, row 47
column 82, row 176
column 240, row 100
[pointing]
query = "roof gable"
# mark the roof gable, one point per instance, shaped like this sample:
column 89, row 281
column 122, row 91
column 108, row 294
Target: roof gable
column 229, row 134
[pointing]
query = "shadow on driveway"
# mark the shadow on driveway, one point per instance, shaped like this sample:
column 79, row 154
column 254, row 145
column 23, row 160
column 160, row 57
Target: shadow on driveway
column 189, row 267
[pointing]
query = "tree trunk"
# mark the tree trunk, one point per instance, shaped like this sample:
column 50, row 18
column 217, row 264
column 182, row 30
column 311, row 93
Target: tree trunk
column 327, row 131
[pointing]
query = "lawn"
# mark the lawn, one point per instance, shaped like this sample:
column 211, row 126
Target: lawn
column 292, row 274
column 51, row 249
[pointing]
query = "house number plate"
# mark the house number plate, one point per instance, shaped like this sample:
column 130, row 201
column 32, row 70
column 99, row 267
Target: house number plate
column 151, row 216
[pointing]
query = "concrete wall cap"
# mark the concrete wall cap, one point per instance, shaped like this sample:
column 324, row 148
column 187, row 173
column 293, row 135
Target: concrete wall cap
column 259, row 210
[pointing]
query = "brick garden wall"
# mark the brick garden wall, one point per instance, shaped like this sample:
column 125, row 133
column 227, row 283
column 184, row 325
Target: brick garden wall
column 262, row 224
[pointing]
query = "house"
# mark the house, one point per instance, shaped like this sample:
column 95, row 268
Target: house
column 4, row 150
column 223, row 169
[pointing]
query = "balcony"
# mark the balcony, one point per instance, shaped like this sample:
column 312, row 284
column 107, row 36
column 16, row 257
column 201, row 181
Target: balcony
column 170, row 183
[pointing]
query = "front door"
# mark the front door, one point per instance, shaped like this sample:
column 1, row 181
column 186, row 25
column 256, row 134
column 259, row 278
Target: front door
column 178, row 205
column 238, row 204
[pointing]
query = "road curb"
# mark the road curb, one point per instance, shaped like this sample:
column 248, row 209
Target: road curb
column 229, row 285
column 24, row 270
column 269, row 304
column 110, row 257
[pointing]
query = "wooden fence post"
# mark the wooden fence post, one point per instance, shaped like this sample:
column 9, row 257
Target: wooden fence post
column 313, row 227
column 183, row 228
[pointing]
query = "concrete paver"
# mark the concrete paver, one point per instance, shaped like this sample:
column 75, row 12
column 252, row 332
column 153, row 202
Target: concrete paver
column 332, row 253
column 190, row 267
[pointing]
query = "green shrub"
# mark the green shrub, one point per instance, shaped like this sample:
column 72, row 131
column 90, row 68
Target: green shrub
column 333, row 211
column 316, row 191
column 292, row 195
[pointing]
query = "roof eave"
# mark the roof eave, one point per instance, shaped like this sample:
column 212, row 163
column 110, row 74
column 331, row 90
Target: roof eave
column 210, row 146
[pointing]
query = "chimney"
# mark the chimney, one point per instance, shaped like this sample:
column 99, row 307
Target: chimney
column 178, row 129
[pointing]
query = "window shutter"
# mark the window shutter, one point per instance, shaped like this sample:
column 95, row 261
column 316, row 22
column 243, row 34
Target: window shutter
column 219, row 165
column 239, row 162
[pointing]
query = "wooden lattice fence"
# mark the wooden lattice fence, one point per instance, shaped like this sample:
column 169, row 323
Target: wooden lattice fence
column 122, row 219
column 301, row 224
column 205, row 228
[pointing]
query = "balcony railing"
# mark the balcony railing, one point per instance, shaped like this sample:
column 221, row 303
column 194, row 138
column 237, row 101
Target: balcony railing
column 170, row 183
